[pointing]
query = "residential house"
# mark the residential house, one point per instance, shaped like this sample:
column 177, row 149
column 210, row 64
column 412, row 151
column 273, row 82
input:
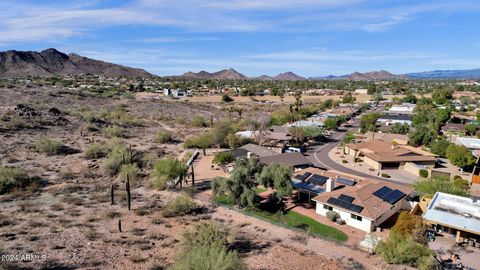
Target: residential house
column 295, row 160
column 473, row 144
column 454, row 215
column 250, row 149
column 362, row 203
column 405, row 108
column 390, row 119
column 384, row 155
column 174, row 92
column 304, row 123
column 267, row 138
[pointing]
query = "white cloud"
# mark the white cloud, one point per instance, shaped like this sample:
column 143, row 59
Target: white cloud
column 33, row 21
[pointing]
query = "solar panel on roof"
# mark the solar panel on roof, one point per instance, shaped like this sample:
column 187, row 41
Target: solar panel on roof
column 346, row 198
column 356, row 208
column 394, row 196
column 302, row 177
column 345, row 181
column 382, row 192
column 345, row 204
column 317, row 179
column 309, row 187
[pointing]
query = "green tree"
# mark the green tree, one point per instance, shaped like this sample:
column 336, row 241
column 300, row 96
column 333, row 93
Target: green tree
column 398, row 128
column 240, row 186
column 167, row 170
column 410, row 98
column 348, row 138
column 367, row 122
column 471, row 129
column 441, row 184
column 422, row 135
column 333, row 123
column 371, row 89
column 348, row 98
column 278, row 177
column 439, row 147
column 223, row 158
column 459, row 155
column 399, row 249
column 203, row 142
column 377, row 97
column 441, row 116
column 442, row 96
column 313, row 133
column 298, row 133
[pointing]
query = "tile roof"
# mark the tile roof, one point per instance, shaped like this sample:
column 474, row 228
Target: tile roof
column 291, row 159
column 258, row 150
column 362, row 192
column 382, row 151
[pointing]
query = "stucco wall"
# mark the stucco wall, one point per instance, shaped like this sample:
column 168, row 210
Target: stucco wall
column 364, row 225
column 412, row 168
column 372, row 163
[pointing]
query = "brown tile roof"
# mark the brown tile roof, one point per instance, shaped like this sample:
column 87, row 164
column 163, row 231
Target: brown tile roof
column 382, row 151
column 258, row 150
column 291, row 159
column 362, row 192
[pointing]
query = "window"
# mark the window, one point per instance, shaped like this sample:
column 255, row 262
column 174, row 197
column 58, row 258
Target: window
column 328, row 207
column 359, row 218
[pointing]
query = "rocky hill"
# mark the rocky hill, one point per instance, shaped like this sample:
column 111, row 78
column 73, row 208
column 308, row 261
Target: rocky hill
column 225, row 74
column 373, row 75
column 447, row 74
column 52, row 62
column 288, row 76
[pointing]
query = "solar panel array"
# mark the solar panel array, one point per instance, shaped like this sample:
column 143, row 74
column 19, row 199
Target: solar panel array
column 389, row 195
column 346, row 198
column 317, row 179
column 344, row 204
column 309, row 187
column 302, row 177
column 346, row 181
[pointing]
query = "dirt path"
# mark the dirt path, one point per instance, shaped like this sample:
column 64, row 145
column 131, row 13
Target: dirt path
column 273, row 232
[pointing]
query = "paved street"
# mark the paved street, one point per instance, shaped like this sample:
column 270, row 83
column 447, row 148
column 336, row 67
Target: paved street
column 319, row 154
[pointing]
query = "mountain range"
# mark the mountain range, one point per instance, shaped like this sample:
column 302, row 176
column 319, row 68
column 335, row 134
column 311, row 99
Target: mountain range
column 52, row 62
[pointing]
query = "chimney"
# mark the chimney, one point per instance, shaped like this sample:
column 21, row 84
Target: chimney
column 330, row 185
column 249, row 154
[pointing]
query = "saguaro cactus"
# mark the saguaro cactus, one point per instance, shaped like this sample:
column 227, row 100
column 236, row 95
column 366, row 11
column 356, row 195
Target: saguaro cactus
column 120, row 225
column 112, row 195
column 127, row 187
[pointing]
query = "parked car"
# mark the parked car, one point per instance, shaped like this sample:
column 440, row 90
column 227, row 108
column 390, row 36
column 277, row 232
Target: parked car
column 293, row 150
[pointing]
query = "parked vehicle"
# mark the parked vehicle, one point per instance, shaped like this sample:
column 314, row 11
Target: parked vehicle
column 293, row 150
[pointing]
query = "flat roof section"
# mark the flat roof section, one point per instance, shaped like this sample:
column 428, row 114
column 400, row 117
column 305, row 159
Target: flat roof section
column 454, row 211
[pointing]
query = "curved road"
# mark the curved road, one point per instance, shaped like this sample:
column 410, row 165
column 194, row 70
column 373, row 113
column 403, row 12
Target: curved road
column 319, row 156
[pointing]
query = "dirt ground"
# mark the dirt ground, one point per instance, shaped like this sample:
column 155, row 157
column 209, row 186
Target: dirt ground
column 66, row 221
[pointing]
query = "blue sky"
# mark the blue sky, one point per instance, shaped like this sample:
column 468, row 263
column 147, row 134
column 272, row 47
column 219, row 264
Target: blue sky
column 308, row 37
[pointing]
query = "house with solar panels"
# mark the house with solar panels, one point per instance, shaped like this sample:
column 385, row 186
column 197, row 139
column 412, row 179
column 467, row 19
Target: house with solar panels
column 362, row 203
